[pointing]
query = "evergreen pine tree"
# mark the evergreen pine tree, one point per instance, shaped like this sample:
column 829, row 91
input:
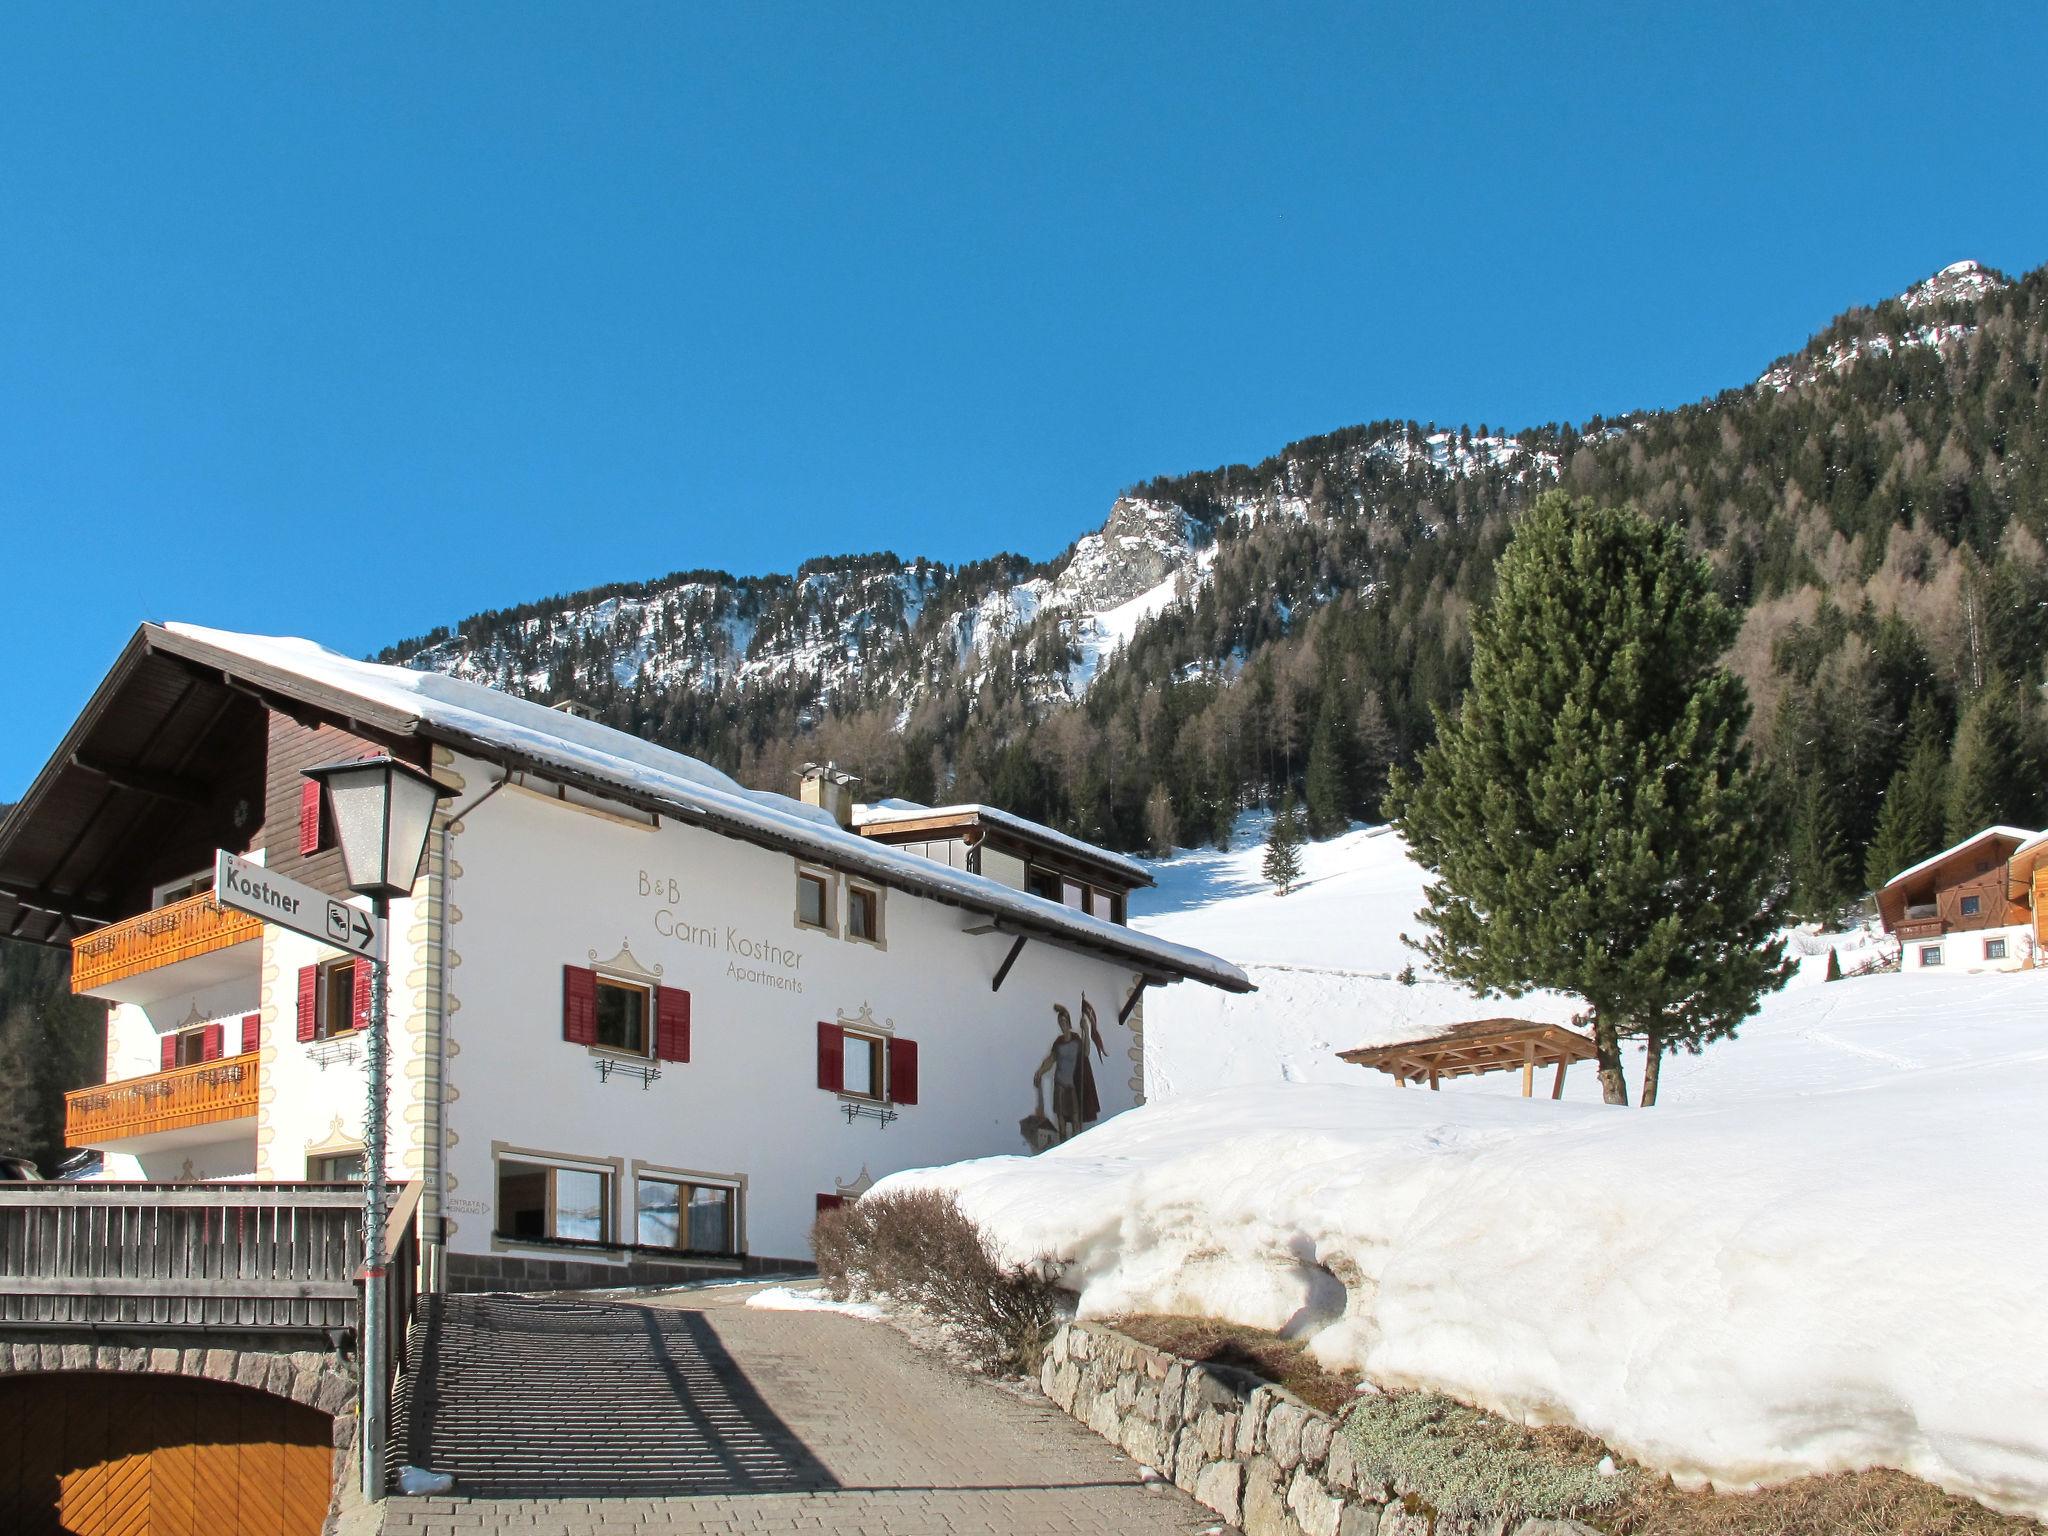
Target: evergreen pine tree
column 1591, row 814
column 1910, row 823
column 1326, row 789
column 1819, row 857
column 1282, row 866
column 1989, row 779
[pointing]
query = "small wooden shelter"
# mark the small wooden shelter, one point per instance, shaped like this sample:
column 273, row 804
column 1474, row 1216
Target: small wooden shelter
column 1485, row 1045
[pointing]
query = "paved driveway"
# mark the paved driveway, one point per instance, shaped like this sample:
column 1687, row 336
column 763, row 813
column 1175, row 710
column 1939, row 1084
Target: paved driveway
column 696, row 1413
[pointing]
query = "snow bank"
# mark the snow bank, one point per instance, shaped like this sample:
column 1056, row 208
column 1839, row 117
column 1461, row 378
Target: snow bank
column 1837, row 1262
column 1821, row 1251
column 780, row 1298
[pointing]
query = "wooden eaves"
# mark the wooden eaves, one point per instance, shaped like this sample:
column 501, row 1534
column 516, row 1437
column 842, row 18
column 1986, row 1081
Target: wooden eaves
column 1485, row 1045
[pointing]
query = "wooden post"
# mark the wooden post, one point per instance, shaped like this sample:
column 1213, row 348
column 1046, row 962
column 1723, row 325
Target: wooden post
column 1432, row 1080
column 1557, row 1087
column 1528, row 1069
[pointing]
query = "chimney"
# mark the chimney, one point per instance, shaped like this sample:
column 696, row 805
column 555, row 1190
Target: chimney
column 830, row 790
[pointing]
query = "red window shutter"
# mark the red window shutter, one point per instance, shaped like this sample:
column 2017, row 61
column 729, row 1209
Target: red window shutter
column 362, row 994
column 210, row 1042
column 831, row 1057
column 902, row 1071
column 830, row 1203
column 167, row 1052
column 309, row 817
column 252, row 1033
column 579, row 1005
column 309, row 1001
column 672, row 1025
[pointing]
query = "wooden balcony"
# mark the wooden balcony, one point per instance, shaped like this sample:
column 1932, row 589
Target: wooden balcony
column 163, row 936
column 177, row 1100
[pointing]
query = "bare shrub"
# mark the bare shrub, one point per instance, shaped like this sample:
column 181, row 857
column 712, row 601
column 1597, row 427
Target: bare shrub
column 919, row 1247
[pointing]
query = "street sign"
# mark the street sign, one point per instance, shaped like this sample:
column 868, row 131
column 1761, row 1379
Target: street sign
column 253, row 889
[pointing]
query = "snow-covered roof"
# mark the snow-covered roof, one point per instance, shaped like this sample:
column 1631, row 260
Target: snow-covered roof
column 497, row 725
column 882, row 812
column 2017, row 834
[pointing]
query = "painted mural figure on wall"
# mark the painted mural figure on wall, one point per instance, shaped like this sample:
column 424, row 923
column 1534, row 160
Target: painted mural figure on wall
column 1075, row 1104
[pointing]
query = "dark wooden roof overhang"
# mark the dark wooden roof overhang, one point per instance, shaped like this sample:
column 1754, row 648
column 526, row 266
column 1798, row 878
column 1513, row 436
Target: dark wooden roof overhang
column 172, row 722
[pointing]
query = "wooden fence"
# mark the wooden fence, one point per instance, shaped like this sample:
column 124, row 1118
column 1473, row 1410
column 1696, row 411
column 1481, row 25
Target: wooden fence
column 265, row 1257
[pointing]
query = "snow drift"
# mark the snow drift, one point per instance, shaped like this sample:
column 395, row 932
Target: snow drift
column 1822, row 1251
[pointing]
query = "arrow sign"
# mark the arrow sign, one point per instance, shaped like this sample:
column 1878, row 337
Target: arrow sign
column 253, row 889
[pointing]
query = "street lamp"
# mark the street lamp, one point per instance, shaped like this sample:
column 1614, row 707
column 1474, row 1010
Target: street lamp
column 381, row 811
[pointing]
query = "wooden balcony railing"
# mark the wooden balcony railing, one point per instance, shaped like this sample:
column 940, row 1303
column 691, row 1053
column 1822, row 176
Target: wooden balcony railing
column 162, row 936
column 163, row 1101
column 268, row 1256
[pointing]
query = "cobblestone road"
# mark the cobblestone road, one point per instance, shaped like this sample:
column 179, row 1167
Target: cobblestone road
column 888, row 1442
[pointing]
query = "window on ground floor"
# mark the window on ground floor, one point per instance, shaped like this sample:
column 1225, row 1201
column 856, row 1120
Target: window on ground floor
column 336, row 1168
column 553, row 1201
column 1930, row 954
column 1994, row 949
column 685, row 1213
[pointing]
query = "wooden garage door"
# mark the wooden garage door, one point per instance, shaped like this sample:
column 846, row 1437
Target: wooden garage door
column 110, row 1455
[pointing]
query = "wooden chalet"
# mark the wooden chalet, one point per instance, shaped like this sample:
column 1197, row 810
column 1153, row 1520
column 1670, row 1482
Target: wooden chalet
column 1967, row 907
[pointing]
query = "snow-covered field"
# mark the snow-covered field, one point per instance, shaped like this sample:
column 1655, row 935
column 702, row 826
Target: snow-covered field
column 1823, row 1250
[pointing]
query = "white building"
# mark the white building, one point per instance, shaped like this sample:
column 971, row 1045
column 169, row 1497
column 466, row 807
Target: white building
column 645, row 1023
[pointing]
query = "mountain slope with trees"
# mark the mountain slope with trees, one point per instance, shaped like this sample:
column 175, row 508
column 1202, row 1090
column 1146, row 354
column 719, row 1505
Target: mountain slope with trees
column 1875, row 506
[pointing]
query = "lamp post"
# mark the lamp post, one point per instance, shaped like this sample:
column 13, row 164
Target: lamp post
column 381, row 811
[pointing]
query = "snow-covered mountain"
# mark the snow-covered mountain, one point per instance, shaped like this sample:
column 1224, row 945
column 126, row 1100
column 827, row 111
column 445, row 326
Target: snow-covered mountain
column 1932, row 313
column 1222, row 562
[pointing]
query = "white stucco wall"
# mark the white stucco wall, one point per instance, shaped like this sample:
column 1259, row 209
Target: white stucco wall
column 306, row 1105
column 1963, row 952
column 540, row 885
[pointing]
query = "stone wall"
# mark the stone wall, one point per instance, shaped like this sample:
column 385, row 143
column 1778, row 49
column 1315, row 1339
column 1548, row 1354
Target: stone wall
column 1255, row 1453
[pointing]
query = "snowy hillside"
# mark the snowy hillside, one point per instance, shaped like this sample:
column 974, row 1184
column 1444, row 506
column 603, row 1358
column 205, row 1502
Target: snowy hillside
column 1328, row 960
column 1817, row 1253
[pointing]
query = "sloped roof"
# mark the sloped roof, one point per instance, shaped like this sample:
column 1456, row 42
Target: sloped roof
column 2017, row 834
column 399, row 702
column 882, row 813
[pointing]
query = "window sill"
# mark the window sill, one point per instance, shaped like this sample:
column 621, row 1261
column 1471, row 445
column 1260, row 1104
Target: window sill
column 615, row 1253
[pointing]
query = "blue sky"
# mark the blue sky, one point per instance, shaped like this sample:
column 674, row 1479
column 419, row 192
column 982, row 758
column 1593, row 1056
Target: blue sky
column 350, row 320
